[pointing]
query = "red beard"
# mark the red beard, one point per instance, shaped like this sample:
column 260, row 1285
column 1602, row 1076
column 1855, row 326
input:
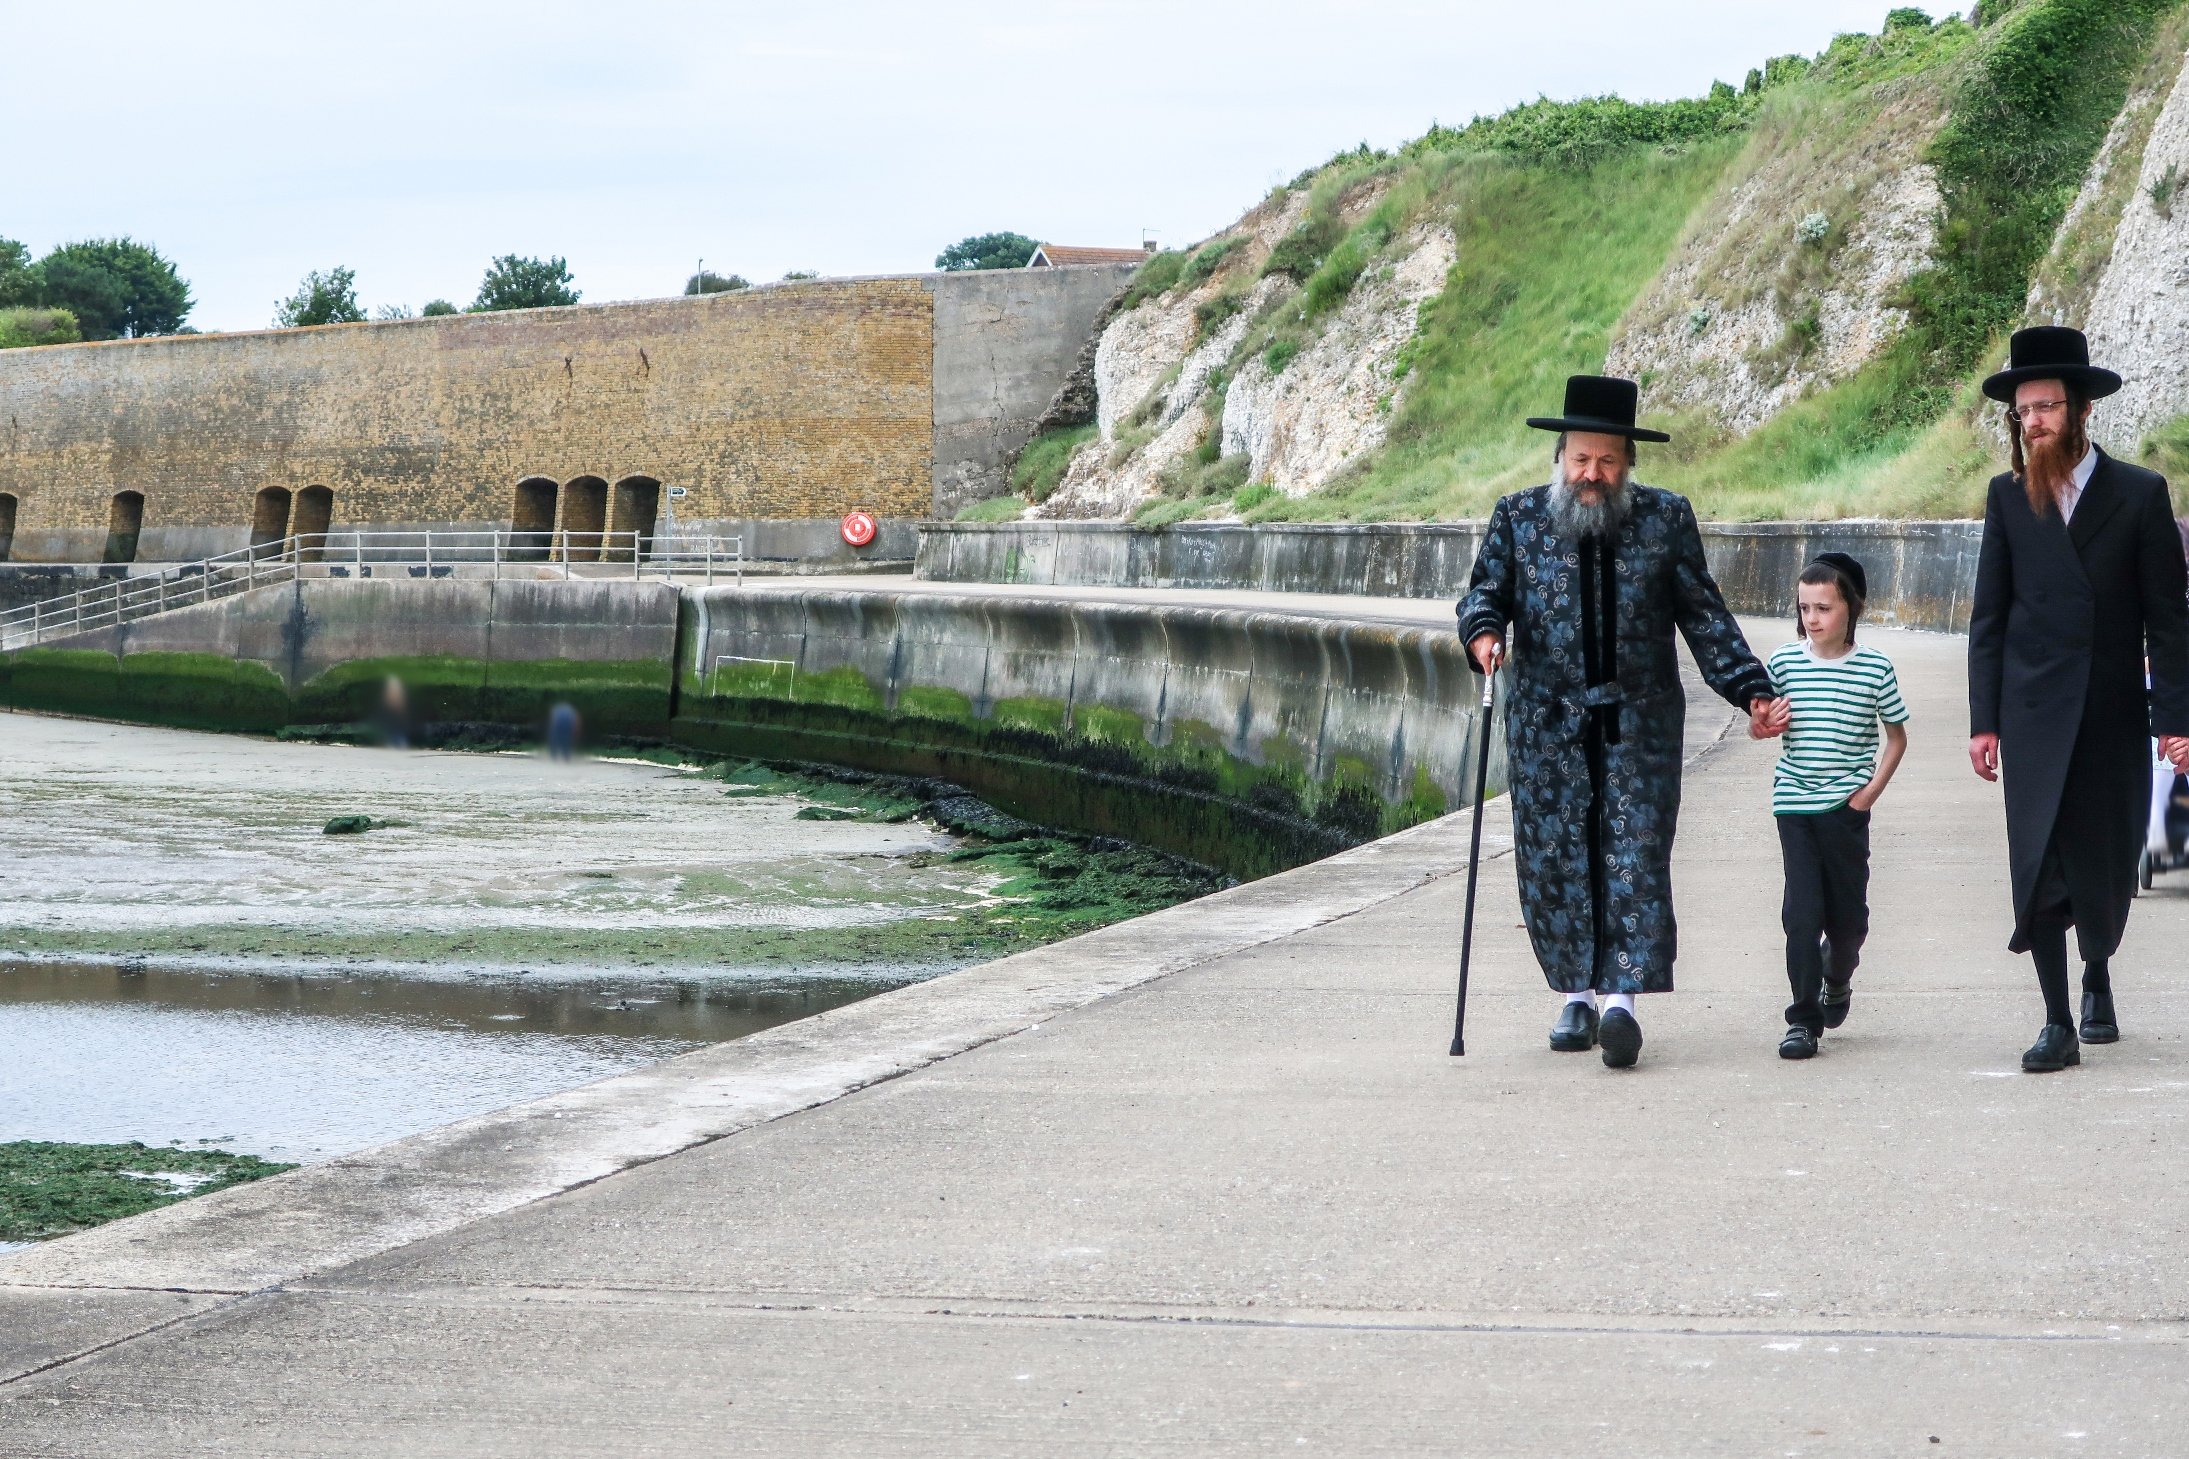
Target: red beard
column 2051, row 466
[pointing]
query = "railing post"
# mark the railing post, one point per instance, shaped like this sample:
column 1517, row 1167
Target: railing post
column 634, row 555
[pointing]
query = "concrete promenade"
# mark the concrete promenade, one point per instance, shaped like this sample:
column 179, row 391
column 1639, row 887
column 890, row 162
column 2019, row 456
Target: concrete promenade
column 1209, row 1184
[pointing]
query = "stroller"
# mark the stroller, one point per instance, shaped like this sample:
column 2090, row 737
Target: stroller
column 2166, row 841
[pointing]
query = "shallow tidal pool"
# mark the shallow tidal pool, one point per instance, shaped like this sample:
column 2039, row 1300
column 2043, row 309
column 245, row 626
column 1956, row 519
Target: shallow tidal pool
column 188, row 960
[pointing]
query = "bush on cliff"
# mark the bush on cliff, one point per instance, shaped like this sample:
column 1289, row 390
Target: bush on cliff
column 35, row 325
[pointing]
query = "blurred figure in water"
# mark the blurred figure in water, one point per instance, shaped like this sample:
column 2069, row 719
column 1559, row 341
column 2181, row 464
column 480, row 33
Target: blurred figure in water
column 392, row 720
column 562, row 731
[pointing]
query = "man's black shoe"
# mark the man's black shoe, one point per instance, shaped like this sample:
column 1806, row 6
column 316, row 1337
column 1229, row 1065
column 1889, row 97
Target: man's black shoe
column 2099, row 1024
column 1838, row 998
column 1575, row 1031
column 2056, row 1049
column 1620, row 1037
column 1799, row 1043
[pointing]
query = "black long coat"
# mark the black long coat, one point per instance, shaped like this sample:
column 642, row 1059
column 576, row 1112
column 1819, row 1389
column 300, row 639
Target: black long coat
column 2064, row 616
column 1594, row 721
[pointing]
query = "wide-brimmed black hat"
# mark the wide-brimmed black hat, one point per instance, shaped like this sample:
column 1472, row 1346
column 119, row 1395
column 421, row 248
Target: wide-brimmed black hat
column 2051, row 352
column 1604, row 404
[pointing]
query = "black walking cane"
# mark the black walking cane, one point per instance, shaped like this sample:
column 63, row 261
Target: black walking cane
column 1474, row 858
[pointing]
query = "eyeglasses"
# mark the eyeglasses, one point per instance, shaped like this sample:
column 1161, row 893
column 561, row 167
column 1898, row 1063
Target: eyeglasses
column 2036, row 407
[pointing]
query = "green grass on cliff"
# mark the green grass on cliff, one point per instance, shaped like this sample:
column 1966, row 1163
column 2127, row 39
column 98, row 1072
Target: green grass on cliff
column 1549, row 259
column 1564, row 214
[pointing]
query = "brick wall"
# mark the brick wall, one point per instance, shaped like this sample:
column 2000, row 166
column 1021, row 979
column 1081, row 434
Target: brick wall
column 801, row 400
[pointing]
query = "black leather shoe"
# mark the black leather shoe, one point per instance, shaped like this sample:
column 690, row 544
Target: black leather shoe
column 2056, row 1049
column 2099, row 1024
column 1620, row 1037
column 1838, row 998
column 1575, row 1031
column 1799, row 1043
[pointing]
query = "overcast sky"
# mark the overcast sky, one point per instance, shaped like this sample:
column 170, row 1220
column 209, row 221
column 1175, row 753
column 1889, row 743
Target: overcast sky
column 412, row 142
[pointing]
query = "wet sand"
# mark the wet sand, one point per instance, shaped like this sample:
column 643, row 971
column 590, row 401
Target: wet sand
column 185, row 957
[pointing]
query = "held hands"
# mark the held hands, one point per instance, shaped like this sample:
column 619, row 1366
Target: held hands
column 2176, row 750
column 1768, row 717
column 1984, row 755
column 1487, row 650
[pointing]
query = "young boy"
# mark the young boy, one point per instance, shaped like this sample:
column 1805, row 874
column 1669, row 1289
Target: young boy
column 1829, row 776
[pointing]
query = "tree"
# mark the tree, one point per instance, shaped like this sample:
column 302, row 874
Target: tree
column 437, row 307
column 706, row 281
column 116, row 287
column 398, row 311
column 987, row 250
column 18, row 284
column 323, row 298
column 800, row 275
column 524, row 283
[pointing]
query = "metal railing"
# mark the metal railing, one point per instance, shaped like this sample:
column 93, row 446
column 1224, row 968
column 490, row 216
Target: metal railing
column 393, row 556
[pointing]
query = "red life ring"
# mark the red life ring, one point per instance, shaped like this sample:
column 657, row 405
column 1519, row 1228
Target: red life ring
column 859, row 529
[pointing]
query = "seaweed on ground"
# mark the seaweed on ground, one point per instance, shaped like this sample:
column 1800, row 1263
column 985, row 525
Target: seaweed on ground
column 50, row 1189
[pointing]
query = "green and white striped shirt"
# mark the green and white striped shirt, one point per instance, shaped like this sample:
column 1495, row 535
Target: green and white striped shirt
column 1831, row 746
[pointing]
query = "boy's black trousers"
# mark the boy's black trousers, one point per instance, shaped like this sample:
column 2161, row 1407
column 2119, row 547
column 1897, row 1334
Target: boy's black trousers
column 1827, row 897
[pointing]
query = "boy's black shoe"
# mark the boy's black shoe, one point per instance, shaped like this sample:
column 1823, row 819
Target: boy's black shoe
column 2055, row 1049
column 1620, row 1037
column 2099, row 1024
column 1838, row 998
column 1575, row 1031
column 1799, row 1043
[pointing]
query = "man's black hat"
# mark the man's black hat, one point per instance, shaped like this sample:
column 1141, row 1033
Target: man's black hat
column 1604, row 404
column 2051, row 352
column 1848, row 569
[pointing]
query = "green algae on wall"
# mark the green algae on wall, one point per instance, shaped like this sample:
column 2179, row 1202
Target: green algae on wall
column 1250, row 742
column 211, row 691
column 1191, row 798
column 185, row 690
column 625, row 697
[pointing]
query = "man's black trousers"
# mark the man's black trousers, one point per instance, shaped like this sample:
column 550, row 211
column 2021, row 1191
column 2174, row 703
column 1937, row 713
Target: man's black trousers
column 1827, row 859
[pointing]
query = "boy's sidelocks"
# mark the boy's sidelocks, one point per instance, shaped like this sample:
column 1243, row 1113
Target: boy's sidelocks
column 1835, row 694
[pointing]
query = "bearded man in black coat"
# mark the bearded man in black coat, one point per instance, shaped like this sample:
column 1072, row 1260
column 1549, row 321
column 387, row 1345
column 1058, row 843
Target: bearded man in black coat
column 2079, row 585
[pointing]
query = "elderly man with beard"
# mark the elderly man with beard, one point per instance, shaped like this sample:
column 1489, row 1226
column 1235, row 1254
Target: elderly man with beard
column 2079, row 595
column 1593, row 574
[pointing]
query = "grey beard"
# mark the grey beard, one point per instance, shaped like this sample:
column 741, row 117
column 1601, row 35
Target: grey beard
column 1575, row 519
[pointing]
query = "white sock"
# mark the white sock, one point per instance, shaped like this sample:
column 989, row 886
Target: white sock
column 1586, row 995
column 1624, row 1002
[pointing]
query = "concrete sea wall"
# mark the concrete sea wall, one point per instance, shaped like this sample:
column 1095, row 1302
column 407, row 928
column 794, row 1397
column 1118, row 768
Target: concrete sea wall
column 1921, row 573
column 1247, row 741
column 320, row 651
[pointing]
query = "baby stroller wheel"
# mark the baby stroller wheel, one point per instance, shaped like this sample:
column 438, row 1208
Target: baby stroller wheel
column 2143, row 871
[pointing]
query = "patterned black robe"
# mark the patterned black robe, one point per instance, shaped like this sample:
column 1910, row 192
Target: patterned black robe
column 1593, row 723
